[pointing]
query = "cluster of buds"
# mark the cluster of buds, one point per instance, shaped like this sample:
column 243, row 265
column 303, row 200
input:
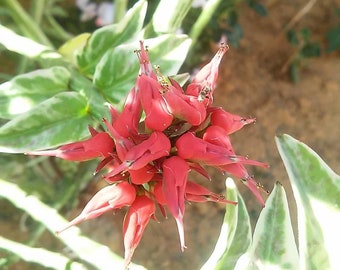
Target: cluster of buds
column 149, row 148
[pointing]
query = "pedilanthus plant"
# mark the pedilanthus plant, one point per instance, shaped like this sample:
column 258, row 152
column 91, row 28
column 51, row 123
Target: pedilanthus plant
column 148, row 149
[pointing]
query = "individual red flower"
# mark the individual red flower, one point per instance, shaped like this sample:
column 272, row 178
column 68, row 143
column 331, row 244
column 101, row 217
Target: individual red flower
column 197, row 193
column 204, row 83
column 108, row 198
column 196, row 149
column 156, row 146
column 185, row 107
column 100, row 145
column 157, row 114
column 217, row 135
column 228, row 121
column 126, row 123
column 136, row 219
column 142, row 175
column 175, row 173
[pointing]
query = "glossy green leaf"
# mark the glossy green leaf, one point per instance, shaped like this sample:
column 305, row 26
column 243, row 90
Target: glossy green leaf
column 23, row 92
column 235, row 235
column 117, row 71
column 58, row 120
column 97, row 104
column 111, row 36
column 316, row 190
column 273, row 244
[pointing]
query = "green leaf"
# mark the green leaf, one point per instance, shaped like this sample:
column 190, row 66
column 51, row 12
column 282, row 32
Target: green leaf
column 235, row 235
column 72, row 47
column 273, row 244
column 84, row 248
column 97, row 104
column 58, row 120
column 316, row 189
column 333, row 39
column 25, row 46
column 311, row 50
column 169, row 15
column 111, row 36
column 23, row 92
column 47, row 259
column 117, row 71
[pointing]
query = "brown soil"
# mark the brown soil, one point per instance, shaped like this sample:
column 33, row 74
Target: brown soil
column 251, row 83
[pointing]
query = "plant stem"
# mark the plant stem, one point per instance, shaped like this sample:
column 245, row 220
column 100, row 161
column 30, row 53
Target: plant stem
column 37, row 10
column 203, row 20
column 59, row 31
column 28, row 26
column 119, row 10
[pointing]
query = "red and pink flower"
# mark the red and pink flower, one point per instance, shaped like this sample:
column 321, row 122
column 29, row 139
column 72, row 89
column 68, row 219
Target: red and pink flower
column 147, row 161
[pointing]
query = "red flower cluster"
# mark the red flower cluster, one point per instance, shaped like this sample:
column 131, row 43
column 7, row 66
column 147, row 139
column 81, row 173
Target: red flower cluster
column 162, row 133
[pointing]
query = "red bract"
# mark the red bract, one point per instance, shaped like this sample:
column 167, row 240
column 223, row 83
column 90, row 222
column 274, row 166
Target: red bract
column 195, row 149
column 147, row 160
column 175, row 173
column 126, row 124
column 228, row 121
column 106, row 199
column 204, row 83
column 197, row 193
column 155, row 147
column 135, row 222
column 157, row 115
column 100, row 145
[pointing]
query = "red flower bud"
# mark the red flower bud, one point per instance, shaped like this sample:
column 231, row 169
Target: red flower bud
column 203, row 84
column 197, row 193
column 156, row 146
column 175, row 173
column 100, row 145
column 185, row 107
column 142, row 175
column 228, row 121
column 195, row 149
column 135, row 222
column 108, row 198
column 157, row 115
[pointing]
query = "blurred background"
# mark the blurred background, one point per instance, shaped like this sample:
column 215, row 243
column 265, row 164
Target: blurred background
column 283, row 68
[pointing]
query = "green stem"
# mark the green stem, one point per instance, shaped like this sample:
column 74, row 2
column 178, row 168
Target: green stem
column 37, row 10
column 28, row 26
column 59, row 31
column 203, row 20
column 119, row 10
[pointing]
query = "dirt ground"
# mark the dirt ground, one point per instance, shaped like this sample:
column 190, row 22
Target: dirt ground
column 251, row 83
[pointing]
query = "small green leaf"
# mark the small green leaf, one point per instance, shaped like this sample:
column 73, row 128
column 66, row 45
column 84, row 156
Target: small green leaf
column 311, row 50
column 316, row 189
column 23, row 92
column 117, row 71
column 273, row 244
column 72, row 47
column 235, row 235
column 111, row 36
column 292, row 37
column 333, row 38
column 61, row 119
